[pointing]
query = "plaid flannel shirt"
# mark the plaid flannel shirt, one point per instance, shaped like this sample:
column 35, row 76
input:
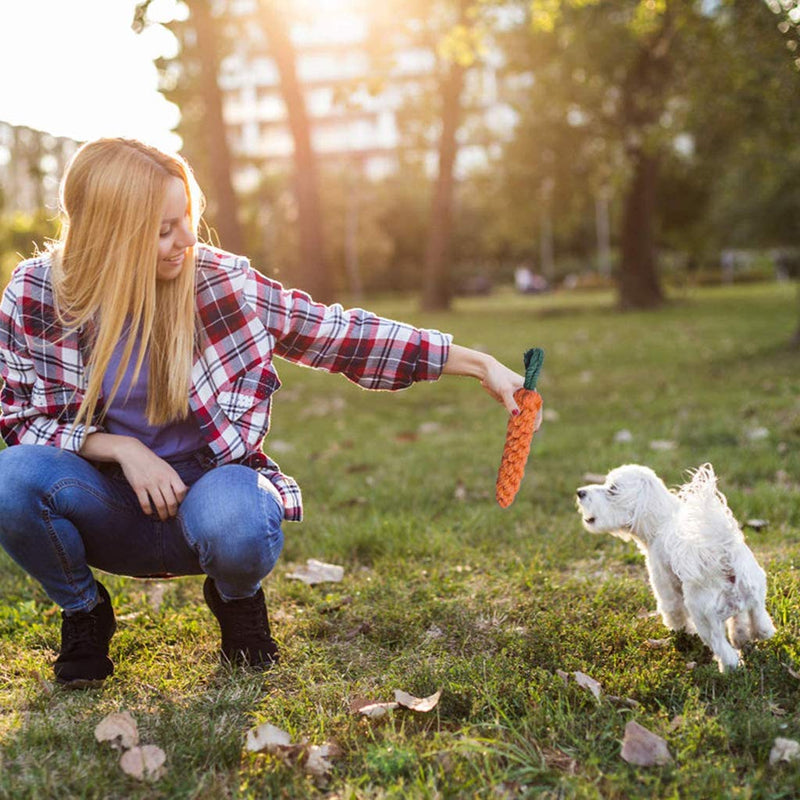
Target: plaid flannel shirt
column 244, row 320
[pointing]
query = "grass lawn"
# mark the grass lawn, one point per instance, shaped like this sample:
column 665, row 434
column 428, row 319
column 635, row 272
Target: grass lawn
column 445, row 591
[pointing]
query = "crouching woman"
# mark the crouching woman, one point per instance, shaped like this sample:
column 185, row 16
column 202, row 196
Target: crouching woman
column 138, row 371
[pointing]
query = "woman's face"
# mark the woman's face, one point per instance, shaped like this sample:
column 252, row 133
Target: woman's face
column 175, row 235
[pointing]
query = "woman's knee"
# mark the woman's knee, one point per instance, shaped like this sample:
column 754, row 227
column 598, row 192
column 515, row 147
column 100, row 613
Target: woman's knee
column 25, row 469
column 233, row 520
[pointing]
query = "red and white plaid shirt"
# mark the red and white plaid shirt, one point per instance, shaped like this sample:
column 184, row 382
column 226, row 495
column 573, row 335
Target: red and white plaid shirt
column 245, row 320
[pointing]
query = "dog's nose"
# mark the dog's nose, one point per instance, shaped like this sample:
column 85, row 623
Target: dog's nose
column 581, row 493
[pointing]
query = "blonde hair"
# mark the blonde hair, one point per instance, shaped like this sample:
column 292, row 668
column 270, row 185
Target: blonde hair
column 104, row 271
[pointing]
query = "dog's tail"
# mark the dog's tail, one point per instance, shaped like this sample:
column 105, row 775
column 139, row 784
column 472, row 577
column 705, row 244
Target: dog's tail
column 708, row 527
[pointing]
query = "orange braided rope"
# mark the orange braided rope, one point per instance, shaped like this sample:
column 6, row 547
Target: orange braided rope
column 520, row 431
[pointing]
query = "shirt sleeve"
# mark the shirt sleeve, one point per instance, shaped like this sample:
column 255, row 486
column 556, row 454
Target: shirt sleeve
column 23, row 421
column 372, row 351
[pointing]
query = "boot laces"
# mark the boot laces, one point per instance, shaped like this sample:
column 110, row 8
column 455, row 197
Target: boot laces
column 249, row 622
column 79, row 633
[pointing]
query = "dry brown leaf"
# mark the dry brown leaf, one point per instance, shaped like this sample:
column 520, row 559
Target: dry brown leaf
column 558, row 759
column 643, row 748
column 657, row 644
column 144, row 763
column 625, row 701
column 317, row 762
column 376, row 710
column 586, row 682
column 793, row 672
column 662, row 444
column 784, row 750
column 316, row 571
column 266, row 737
column 421, row 704
column 594, row 477
column 118, row 729
column 154, row 591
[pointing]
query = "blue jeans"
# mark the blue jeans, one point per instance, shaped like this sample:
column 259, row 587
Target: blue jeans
column 61, row 515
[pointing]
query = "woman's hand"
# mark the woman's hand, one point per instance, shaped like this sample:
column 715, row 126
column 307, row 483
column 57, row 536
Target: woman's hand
column 156, row 484
column 498, row 380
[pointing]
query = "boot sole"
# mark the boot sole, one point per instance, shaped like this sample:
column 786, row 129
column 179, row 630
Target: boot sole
column 81, row 683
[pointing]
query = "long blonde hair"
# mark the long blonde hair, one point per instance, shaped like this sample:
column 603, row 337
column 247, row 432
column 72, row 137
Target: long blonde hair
column 104, row 271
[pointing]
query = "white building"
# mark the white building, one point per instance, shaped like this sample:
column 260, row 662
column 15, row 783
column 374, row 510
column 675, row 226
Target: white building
column 31, row 166
column 349, row 123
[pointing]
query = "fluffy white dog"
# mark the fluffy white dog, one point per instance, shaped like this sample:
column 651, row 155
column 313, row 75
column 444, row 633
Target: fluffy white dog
column 702, row 573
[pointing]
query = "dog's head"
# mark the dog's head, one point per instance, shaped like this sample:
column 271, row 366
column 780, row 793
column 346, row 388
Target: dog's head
column 631, row 500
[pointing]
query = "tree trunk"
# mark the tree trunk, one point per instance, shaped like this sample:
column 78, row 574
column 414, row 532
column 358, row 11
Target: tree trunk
column 436, row 281
column 639, row 286
column 313, row 275
column 220, row 165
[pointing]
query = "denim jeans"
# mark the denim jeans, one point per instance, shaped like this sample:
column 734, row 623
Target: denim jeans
column 60, row 515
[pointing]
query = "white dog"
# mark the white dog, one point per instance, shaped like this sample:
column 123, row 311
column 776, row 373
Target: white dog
column 701, row 571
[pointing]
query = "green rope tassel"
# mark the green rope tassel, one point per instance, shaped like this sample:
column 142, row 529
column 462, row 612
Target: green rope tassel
column 534, row 358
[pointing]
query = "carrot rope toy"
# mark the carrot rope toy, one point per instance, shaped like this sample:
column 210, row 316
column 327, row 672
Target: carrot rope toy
column 520, row 431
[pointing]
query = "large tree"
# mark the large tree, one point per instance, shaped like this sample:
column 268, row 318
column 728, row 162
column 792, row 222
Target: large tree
column 313, row 274
column 454, row 33
column 191, row 81
column 609, row 76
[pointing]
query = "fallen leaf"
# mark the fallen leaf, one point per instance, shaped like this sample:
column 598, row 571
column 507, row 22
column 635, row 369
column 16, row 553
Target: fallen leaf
column 119, row 729
column 594, row 477
column 550, row 415
column 643, row 748
column 657, row 644
column 757, row 434
column 266, row 737
column 154, row 591
column 144, row 763
column 280, row 446
column 662, row 444
column 586, row 682
column 361, row 629
column 623, row 437
column 784, row 750
column 317, row 572
column 558, row 759
column 434, row 632
column 317, row 762
column 793, row 672
column 421, row 704
column 563, row 675
column 377, row 710
column 625, row 701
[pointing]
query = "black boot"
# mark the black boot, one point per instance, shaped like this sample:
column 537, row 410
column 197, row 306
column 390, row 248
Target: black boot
column 83, row 660
column 246, row 637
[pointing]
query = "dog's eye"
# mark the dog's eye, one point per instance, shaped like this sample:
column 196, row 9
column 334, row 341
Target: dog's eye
column 612, row 490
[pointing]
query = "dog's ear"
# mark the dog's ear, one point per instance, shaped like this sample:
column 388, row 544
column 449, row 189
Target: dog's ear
column 649, row 500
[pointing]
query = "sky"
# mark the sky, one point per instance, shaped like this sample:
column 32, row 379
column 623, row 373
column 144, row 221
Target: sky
column 75, row 68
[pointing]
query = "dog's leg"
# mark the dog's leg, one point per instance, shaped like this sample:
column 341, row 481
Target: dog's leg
column 710, row 628
column 669, row 595
column 739, row 629
column 761, row 623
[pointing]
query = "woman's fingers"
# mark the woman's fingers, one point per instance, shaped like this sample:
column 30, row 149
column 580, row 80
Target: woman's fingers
column 161, row 496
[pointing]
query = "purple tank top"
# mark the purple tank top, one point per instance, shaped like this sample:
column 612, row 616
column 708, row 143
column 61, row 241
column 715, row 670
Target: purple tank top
column 126, row 415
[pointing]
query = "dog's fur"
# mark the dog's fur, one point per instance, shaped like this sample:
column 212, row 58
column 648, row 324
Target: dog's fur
column 702, row 573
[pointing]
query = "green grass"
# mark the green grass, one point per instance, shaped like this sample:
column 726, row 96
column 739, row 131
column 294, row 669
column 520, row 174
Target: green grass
column 444, row 590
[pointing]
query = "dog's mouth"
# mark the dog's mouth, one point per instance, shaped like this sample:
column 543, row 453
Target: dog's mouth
column 589, row 520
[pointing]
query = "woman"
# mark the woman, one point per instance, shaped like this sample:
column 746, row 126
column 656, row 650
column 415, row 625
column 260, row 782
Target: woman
column 143, row 362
